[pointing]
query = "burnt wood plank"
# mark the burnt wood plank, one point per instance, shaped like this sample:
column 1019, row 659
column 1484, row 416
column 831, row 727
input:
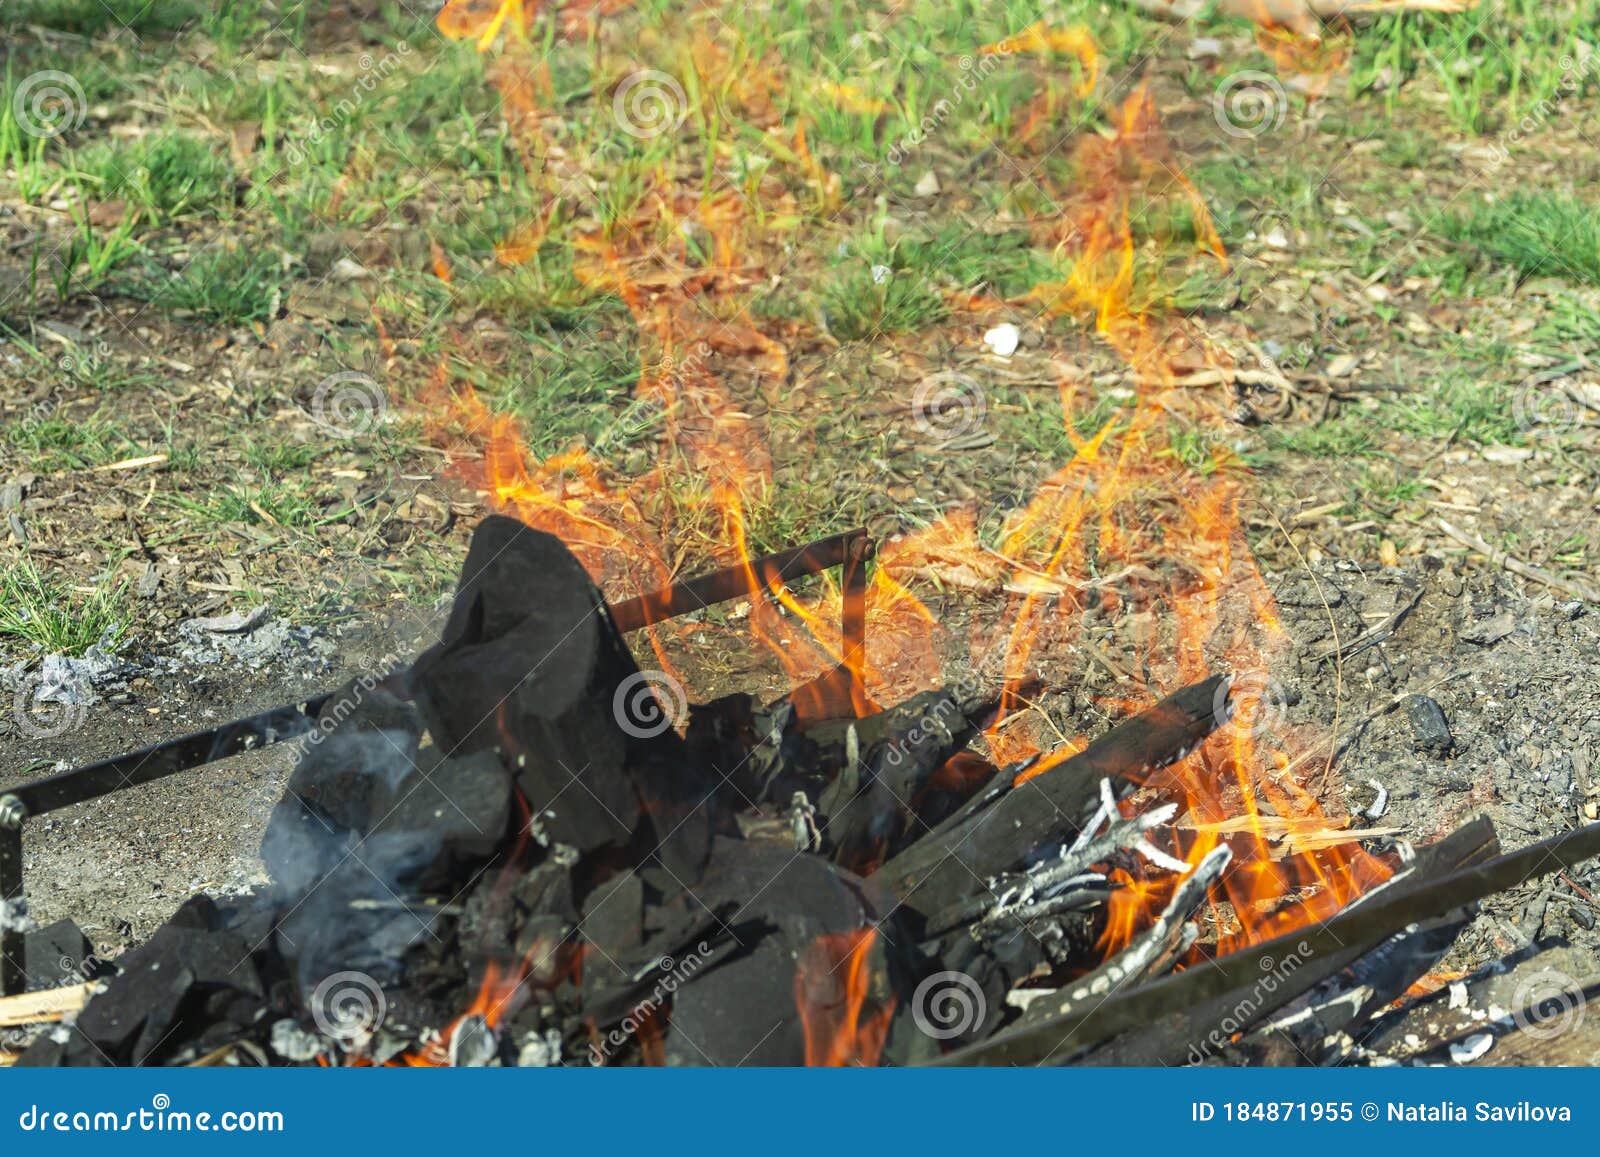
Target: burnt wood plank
column 1000, row 829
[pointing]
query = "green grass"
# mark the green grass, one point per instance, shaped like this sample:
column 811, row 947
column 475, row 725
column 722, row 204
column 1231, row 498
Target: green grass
column 879, row 288
column 102, row 17
column 1495, row 64
column 573, row 383
column 221, row 284
column 40, row 610
column 253, row 503
column 49, row 442
column 1539, row 234
column 165, row 176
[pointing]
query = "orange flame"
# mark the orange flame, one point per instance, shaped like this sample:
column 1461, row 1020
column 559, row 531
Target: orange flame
column 1143, row 522
column 844, row 1020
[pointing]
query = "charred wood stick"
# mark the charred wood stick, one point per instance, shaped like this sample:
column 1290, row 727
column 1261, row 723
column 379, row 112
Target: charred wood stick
column 1509, row 995
column 1140, row 957
column 1019, row 895
column 1201, row 1029
column 995, row 833
column 1420, row 897
column 1320, row 1028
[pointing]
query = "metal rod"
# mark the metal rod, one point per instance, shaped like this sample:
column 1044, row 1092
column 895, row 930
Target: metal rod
column 733, row 582
column 163, row 759
column 13, row 946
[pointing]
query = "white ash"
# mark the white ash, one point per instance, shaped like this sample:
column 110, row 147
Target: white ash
column 293, row 1043
column 540, row 1050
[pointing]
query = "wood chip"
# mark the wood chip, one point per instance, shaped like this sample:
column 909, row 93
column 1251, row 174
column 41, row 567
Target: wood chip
column 42, row 1007
column 131, row 463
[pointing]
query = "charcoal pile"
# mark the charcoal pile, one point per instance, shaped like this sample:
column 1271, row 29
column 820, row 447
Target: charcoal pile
column 508, row 854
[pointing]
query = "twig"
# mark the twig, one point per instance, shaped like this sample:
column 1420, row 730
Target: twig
column 1516, row 566
column 1151, row 946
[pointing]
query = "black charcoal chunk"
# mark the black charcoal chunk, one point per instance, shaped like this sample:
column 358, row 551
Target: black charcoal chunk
column 1429, row 729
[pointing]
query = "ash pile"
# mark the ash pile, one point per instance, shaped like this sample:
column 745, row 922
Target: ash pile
column 507, row 855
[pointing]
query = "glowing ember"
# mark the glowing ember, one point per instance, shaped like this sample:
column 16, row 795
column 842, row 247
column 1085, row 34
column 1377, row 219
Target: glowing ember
column 845, row 1019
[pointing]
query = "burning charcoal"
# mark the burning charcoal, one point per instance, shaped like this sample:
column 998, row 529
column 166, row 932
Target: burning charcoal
column 366, row 742
column 530, row 664
column 613, row 921
column 872, row 804
column 455, row 812
column 740, row 1008
column 295, row 1044
column 1429, row 729
column 540, row 1050
column 473, row 1044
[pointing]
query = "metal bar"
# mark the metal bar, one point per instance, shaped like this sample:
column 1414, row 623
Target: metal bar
column 733, row 582
column 291, row 720
column 163, row 759
column 13, row 946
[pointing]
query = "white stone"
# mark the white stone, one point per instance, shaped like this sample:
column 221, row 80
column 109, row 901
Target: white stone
column 1003, row 339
